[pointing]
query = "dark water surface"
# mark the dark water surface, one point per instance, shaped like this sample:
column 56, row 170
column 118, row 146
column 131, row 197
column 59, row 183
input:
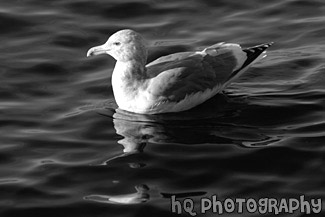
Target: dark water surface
column 65, row 151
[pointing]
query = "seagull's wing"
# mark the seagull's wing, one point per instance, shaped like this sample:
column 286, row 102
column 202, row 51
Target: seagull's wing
column 179, row 75
column 157, row 66
column 170, row 58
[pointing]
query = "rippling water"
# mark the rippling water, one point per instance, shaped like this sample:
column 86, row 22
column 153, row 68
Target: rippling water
column 66, row 151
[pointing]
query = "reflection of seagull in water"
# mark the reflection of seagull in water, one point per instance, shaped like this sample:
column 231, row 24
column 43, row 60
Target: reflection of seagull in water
column 172, row 83
column 134, row 198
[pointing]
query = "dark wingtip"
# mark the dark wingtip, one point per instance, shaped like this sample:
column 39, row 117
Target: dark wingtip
column 258, row 48
column 252, row 53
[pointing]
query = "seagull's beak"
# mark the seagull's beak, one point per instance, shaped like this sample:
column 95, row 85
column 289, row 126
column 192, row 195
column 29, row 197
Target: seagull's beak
column 102, row 49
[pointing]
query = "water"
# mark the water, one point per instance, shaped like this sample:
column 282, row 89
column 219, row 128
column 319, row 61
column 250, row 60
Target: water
column 65, row 149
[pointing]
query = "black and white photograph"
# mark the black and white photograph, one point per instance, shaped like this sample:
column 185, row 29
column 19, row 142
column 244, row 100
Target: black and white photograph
column 162, row 108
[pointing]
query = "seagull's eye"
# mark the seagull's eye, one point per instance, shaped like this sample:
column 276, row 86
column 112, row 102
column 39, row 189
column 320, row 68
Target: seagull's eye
column 116, row 43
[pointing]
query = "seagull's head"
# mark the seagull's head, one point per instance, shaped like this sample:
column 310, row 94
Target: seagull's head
column 124, row 45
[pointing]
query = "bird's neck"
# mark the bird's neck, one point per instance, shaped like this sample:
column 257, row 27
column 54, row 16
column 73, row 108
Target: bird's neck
column 127, row 80
column 129, row 71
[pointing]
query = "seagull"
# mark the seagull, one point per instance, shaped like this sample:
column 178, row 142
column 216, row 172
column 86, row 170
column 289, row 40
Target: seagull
column 176, row 82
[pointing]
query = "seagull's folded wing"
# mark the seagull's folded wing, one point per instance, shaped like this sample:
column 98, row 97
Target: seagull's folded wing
column 174, row 77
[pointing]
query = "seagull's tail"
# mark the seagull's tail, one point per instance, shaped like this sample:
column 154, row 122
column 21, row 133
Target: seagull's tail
column 254, row 54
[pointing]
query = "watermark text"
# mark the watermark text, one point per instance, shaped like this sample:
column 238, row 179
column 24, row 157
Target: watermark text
column 250, row 205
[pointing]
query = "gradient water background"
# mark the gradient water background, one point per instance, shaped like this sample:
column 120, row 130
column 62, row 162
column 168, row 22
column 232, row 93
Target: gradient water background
column 63, row 145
